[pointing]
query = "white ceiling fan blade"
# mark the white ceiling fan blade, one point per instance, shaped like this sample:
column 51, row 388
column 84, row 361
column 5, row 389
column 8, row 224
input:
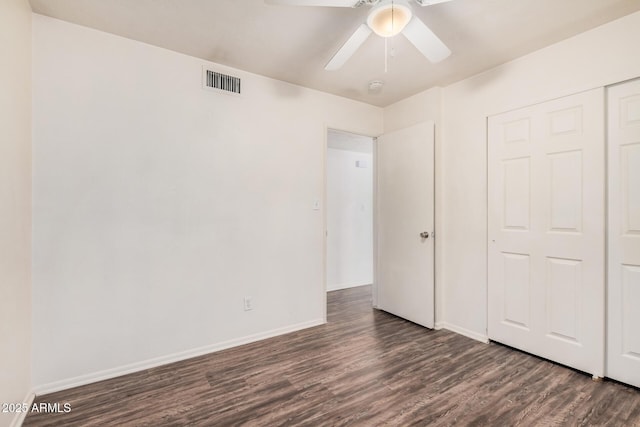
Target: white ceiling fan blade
column 425, row 40
column 349, row 48
column 328, row 3
column 430, row 2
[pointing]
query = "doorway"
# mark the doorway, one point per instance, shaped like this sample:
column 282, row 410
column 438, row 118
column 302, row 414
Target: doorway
column 349, row 223
column 379, row 218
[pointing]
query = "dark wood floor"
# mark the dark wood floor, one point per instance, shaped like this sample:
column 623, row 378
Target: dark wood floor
column 364, row 367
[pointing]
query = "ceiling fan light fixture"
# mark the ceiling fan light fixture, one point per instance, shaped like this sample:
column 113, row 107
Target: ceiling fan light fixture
column 389, row 18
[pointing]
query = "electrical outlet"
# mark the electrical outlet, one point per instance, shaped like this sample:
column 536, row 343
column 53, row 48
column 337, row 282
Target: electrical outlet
column 248, row 304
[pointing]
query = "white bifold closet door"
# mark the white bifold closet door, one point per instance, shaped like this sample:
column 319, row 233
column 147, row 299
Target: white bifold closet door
column 546, row 241
column 623, row 326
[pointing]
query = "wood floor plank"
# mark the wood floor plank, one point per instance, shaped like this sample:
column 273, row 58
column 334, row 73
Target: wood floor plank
column 364, row 368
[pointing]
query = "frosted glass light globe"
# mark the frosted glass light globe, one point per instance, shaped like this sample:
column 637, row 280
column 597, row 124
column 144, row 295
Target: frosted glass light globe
column 389, row 18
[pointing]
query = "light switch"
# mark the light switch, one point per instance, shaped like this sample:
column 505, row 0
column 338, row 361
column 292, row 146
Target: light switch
column 316, row 205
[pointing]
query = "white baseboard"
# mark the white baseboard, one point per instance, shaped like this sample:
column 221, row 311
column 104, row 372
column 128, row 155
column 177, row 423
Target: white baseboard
column 462, row 331
column 170, row 358
column 18, row 419
column 346, row 286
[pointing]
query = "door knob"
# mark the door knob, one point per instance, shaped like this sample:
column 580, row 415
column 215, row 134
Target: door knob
column 424, row 234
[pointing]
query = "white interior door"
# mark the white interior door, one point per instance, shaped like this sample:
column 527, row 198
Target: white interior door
column 623, row 284
column 405, row 209
column 546, row 230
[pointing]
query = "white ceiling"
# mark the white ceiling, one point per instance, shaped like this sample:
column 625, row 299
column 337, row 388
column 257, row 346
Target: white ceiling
column 294, row 43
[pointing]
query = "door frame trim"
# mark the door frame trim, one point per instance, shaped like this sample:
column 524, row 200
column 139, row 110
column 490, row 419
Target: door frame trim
column 325, row 146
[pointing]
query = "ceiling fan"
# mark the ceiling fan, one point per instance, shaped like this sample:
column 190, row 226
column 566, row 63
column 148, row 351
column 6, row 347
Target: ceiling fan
column 387, row 19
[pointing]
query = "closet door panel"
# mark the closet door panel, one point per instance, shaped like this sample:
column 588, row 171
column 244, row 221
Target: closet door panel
column 546, row 230
column 623, row 311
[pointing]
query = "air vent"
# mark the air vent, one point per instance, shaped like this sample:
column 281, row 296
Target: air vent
column 223, row 82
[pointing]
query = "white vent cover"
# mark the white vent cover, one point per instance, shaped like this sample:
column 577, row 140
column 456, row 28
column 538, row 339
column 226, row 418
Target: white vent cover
column 223, row 82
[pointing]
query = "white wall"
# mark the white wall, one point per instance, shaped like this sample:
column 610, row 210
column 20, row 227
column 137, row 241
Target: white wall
column 15, row 202
column 158, row 205
column 599, row 57
column 419, row 108
column 349, row 219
